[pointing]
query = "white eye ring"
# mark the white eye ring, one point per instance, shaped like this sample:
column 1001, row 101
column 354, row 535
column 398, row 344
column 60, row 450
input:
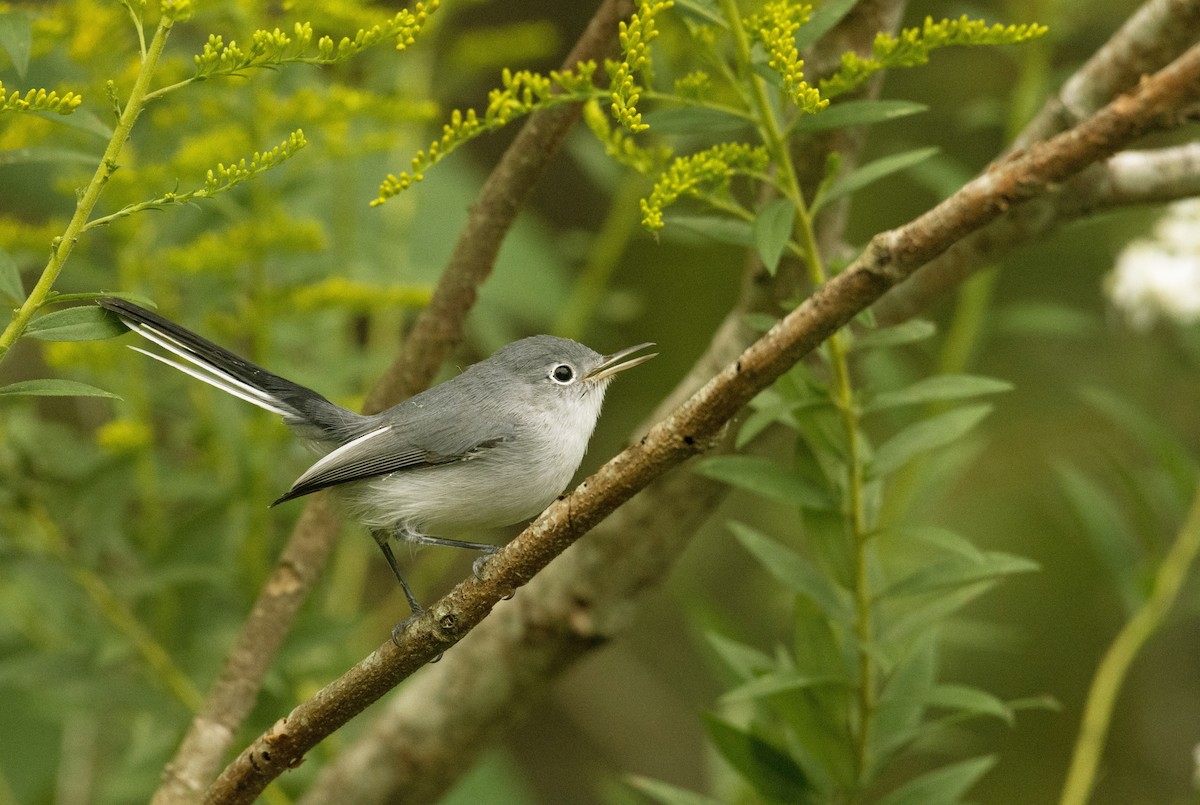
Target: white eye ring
column 562, row 374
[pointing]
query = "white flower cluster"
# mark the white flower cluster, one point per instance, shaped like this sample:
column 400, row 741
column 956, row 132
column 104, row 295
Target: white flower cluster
column 1160, row 277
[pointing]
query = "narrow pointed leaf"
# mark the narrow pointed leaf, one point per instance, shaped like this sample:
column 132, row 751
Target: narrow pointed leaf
column 928, row 434
column 704, row 12
column 969, row 700
column 795, row 571
column 821, row 22
column 745, row 661
column 667, row 794
column 16, row 37
column 691, row 119
column 870, row 173
column 712, row 228
column 772, row 231
column 772, row 684
column 906, row 333
column 856, row 113
column 1106, row 529
column 771, row 772
column 54, row 387
column 944, row 786
column 11, row 289
column 953, row 572
column 83, row 323
column 939, row 388
column 767, row 478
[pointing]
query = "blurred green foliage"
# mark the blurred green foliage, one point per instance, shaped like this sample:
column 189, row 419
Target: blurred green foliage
column 134, row 533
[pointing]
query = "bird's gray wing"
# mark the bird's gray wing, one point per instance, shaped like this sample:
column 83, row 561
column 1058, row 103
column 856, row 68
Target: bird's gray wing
column 378, row 452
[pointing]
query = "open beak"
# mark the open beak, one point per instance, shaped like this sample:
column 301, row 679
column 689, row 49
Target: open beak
column 613, row 363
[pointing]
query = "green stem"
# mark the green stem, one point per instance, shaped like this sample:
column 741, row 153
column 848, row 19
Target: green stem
column 1102, row 696
column 843, row 389
column 64, row 244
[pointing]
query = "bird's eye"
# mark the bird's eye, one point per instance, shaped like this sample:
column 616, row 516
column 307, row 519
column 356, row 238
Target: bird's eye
column 562, row 374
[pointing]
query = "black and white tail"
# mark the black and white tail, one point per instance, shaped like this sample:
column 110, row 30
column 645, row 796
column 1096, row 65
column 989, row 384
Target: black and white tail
column 301, row 407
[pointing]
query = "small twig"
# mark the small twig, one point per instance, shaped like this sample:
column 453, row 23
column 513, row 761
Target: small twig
column 889, row 259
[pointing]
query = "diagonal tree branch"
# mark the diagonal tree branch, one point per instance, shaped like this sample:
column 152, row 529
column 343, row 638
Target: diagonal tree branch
column 437, row 330
column 890, row 258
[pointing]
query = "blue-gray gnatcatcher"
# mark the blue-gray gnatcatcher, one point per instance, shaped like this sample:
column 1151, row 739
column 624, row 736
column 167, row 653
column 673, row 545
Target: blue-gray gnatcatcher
column 491, row 447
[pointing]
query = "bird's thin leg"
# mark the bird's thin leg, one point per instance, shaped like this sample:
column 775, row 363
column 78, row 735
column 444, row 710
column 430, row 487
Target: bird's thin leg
column 422, row 539
column 381, row 539
column 485, row 548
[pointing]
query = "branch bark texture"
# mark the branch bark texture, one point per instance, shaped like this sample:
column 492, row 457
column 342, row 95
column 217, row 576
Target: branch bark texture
column 889, row 259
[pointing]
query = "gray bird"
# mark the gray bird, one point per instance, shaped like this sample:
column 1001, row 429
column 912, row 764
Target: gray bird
column 491, row 447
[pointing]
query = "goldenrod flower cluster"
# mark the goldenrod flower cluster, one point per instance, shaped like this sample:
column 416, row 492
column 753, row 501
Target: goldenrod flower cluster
column 776, row 28
column 38, row 100
column 696, row 174
column 913, row 45
column 635, row 37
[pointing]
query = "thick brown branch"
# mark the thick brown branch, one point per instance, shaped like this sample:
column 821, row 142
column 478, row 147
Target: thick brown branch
column 890, row 258
column 437, row 330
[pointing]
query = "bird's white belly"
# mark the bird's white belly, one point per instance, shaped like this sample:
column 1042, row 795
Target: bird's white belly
column 500, row 486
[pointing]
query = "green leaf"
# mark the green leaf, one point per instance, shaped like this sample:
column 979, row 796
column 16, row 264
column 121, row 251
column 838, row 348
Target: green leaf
column 666, row 793
column 16, row 37
column 712, row 227
column 1106, row 529
column 772, row 684
column 903, row 701
column 82, row 323
column 971, row 701
column 693, row 119
column 821, row 22
column 767, row 478
column 956, row 571
column 944, row 786
column 745, row 661
column 870, row 173
column 769, row 770
column 793, row 570
column 11, row 289
column 57, row 156
column 928, row 434
column 772, row 231
column 933, row 614
column 906, row 333
column 855, row 113
column 54, row 387
column 704, row 12
column 937, row 389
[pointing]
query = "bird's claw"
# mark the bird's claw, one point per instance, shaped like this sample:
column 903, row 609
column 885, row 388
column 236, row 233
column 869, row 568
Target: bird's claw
column 480, row 561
